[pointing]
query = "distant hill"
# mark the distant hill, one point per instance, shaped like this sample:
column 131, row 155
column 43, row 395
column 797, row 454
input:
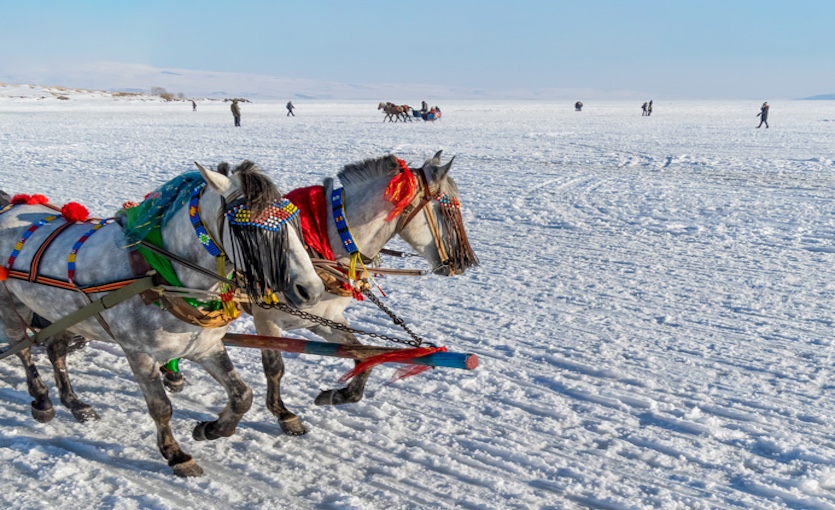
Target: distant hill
column 820, row 97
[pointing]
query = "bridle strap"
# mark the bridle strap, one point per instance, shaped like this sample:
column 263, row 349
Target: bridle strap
column 430, row 217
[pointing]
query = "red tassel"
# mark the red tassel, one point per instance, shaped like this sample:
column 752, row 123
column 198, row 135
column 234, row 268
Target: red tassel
column 4, row 274
column 37, row 199
column 20, row 199
column 73, row 212
column 129, row 204
column 400, row 190
column 399, row 356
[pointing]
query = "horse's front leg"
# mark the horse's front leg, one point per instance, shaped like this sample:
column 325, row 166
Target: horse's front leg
column 274, row 370
column 146, row 372
column 220, row 367
column 351, row 393
column 57, row 348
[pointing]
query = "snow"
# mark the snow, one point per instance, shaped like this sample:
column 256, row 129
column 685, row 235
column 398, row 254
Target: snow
column 652, row 313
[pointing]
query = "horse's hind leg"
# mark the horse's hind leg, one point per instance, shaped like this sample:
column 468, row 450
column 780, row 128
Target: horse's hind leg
column 57, row 348
column 274, row 370
column 354, row 391
column 15, row 317
column 42, row 409
column 146, row 372
column 220, row 367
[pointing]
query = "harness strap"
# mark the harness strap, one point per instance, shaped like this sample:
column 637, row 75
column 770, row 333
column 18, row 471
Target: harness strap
column 96, row 307
column 36, row 260
column 26, row 236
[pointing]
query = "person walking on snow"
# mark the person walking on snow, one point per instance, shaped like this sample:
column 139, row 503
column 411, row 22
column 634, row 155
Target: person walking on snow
column 644, row 108
column 236, row 112
column 290, row 109
column 763, row 115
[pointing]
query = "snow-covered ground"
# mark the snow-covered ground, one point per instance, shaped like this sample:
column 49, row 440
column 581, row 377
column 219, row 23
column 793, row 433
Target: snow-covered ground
column 653, row 314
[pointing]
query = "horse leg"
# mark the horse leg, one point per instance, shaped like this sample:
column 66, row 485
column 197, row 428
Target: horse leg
column 42, row 409
column 221, row 369
column 146, row 372
column 57, row 348
column 351, row 393
column 274, row 370
column 15, row 318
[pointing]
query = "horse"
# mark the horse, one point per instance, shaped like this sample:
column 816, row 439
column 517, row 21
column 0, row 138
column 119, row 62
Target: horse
column 395, row 112
column 249, row 233
column 383, row 198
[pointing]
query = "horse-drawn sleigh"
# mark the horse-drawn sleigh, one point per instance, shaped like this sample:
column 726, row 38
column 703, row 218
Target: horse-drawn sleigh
column 84, row 277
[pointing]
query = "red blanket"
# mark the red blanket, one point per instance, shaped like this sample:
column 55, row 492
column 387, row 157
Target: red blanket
column 313, row 214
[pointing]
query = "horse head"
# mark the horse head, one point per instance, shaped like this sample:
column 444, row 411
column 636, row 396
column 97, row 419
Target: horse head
column 260, row 235
column 437, row 231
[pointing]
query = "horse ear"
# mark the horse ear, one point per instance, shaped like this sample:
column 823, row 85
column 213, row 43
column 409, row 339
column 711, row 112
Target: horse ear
column 215, row 180
column 444, row 170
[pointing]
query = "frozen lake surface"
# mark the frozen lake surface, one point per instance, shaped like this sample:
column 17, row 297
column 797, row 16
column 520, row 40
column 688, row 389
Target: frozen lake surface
column 653, row 314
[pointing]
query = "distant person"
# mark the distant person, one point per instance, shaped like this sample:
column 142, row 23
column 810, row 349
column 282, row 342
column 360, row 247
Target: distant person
column 236, row 112
column 763, row 115
column 290, row 109
column 649, row 108
column 193, row 106
column 424, row 107
column 578, row 106
column 644, row 108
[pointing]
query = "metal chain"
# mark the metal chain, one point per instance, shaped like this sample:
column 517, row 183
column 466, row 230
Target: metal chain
column 415, row 342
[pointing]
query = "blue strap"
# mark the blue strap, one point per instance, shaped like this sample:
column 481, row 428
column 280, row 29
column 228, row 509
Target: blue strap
column 342, row 223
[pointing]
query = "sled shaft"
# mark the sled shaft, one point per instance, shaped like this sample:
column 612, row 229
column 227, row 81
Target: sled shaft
column 359, row 352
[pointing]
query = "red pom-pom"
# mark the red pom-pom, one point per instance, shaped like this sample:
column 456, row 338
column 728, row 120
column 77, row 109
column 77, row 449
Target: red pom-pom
column 20, row 199
column 130, row 204
column 74, row 211
column 4, row 274
column 37, row 200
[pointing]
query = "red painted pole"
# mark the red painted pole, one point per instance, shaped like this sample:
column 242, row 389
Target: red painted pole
column 359, row 352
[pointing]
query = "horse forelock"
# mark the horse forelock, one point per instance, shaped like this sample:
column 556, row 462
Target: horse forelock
column 369, row 169
column 257, row 189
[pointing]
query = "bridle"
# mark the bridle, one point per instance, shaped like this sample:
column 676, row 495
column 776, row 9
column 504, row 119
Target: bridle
column 419, row 204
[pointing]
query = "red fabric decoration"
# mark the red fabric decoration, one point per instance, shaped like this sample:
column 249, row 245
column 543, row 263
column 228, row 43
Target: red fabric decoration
column 130, row 204
column 73, row 212
column 20, row 199
column 313, row 215
column 37, row 200
column 400, row 190
column 399, row 356
column 4, row 274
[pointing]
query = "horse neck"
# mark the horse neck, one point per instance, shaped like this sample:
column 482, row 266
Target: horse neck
column 179, row 238
column 366, row 211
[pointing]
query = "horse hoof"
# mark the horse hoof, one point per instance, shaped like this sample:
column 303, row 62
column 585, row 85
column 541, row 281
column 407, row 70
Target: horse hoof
column 292, row 426
column 43, row 415
column 205, row 431
column 174, row 383
column 83, row 414
column 188, row 468
column 336, row 398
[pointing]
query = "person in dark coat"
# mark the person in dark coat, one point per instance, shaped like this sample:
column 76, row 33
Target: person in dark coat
column 290, row 109
column 763, row 115
column 644, row 108
column 236, row 112
column 649, row 108
column 193, row 106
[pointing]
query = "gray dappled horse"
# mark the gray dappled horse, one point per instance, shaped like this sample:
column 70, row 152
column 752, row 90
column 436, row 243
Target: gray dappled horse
column 148, row 335
column 429, row 221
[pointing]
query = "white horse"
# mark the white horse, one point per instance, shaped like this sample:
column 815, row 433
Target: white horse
column 239, row 212
column 427, row 216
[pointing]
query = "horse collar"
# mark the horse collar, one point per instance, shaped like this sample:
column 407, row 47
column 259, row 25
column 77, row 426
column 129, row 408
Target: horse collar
column 203, row 234
column 338, row 208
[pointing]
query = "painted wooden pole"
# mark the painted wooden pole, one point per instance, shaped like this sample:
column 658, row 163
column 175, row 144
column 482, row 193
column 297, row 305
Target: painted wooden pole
column 359, row 352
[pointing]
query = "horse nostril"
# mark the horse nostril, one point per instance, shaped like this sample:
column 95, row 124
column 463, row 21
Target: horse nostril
column 302, row 292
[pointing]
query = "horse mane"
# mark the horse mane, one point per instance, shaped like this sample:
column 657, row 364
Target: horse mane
column 259, row 191
column 369, row 169
column 5, row 199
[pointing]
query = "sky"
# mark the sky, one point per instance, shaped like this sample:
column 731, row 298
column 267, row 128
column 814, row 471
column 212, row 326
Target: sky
column 665, row 49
